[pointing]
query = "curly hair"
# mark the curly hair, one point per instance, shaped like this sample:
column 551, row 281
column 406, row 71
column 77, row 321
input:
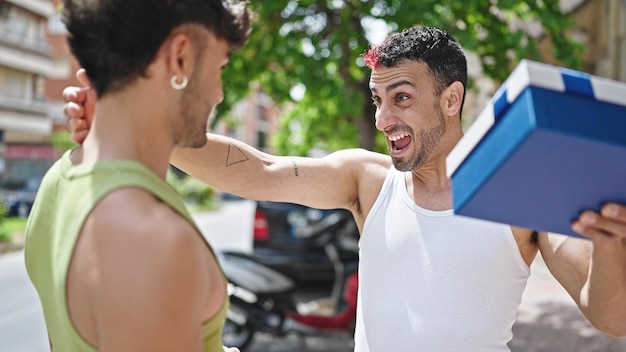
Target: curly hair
column 116, row 40
column 441, row 53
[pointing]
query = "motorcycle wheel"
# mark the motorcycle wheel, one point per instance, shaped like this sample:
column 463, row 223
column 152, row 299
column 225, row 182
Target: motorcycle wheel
column 236, row 334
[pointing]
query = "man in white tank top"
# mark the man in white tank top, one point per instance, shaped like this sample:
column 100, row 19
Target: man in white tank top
column 429, row 280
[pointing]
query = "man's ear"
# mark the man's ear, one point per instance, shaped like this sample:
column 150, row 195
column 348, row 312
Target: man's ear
column 178, row 54
column 453, row 98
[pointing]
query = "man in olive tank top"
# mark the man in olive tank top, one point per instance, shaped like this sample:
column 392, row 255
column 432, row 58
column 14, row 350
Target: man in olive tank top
column 115, row 257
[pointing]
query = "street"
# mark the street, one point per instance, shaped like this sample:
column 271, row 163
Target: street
column 22, row 327
column 548, row 320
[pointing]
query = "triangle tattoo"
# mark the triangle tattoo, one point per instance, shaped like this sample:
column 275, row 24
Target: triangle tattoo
column 235, row 155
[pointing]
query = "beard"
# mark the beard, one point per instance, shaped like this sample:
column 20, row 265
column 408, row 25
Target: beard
column 194, row 112
column 428, row 141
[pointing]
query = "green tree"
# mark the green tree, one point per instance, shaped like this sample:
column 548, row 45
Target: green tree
column 317, row 44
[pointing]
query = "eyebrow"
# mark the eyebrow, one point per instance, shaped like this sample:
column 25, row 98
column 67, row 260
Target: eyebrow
column 394, row 85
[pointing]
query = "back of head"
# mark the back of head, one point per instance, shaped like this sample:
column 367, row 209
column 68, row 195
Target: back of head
column 116, row 40
column 436, row 48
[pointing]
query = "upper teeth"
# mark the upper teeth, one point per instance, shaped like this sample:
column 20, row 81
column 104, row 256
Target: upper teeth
column 397, row 137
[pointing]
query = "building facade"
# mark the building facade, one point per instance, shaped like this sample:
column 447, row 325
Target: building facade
column 25, row 63
column 601, row 29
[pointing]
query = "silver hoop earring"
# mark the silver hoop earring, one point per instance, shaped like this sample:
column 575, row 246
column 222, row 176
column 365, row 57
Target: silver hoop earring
column 178, row 86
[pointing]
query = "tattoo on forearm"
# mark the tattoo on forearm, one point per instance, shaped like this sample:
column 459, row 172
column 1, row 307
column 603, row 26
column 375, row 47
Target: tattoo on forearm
column 235, row 155
column 295, row 167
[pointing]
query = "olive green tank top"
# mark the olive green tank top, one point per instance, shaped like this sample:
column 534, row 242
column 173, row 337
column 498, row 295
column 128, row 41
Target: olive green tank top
column 66, row 196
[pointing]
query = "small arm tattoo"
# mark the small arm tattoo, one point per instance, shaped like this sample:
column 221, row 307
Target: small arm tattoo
column 235, row 155
column 295, row 167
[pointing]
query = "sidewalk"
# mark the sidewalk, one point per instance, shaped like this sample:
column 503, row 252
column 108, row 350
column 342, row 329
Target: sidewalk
column 549, row 321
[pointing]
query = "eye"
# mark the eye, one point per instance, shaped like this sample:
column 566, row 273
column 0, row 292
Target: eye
column 402, row 97
column 376, row 101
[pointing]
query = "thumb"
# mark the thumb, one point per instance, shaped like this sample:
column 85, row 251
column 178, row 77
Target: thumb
column 82, row 77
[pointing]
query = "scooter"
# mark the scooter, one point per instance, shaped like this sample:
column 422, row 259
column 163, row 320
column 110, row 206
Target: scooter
column 262, row 299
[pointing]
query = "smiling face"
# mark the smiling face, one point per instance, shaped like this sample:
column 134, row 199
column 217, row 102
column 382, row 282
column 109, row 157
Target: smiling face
column 408, row 112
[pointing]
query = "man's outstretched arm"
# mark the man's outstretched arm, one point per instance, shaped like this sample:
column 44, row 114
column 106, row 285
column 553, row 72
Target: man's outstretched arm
column 235, row 167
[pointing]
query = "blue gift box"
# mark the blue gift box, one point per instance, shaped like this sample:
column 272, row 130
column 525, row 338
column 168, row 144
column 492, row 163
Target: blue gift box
column 551, row 144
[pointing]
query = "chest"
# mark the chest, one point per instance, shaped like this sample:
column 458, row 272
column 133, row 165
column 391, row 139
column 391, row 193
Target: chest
column 403, row 237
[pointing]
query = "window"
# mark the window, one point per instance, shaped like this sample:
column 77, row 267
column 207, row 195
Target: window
column 56, row 25
column 14, row 85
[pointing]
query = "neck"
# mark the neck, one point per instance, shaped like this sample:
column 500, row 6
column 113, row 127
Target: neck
column 130, row 126
column 433, row 172
column 429, row 184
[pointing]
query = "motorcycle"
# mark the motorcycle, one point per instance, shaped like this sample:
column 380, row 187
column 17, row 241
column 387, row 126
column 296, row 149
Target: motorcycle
column 263, row 300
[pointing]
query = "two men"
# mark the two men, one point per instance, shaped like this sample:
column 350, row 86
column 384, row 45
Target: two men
column 113, row 253
column 428, row 280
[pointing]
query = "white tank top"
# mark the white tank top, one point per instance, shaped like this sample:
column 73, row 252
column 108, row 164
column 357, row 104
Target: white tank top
column 434, row 281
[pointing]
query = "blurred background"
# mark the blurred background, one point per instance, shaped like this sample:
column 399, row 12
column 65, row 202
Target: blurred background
column 299, row 87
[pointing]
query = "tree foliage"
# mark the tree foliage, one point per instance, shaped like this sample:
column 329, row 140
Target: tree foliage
column 318, row 44
column 62, row 141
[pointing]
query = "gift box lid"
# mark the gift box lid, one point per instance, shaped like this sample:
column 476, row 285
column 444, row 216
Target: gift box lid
column 582, row 106
column 533, row 74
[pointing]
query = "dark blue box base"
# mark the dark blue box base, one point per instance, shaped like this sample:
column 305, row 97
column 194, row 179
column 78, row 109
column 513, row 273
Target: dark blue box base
column 551, row 156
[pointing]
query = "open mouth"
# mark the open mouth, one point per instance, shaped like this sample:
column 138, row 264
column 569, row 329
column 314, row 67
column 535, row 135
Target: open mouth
column 399, row 142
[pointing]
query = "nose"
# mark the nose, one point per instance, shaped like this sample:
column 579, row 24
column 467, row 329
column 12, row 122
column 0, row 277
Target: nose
column 385, row 118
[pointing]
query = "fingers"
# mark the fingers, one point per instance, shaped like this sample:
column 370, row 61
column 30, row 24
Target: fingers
column 79, row 136
column 78, row 94
column 75, row 114
column 610, row 222
column 614, row 211
column 73, row 111
column 74, row 94
column 76, row 124
column 79, row 107
column 79, row 129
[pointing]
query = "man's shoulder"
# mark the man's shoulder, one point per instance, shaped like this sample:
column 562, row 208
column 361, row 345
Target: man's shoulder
column 364, row 160
column 137, row 213
column 362, row 154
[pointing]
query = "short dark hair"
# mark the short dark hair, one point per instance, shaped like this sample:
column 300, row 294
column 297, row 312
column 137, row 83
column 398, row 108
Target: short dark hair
column 116, row 40
column 441, row 53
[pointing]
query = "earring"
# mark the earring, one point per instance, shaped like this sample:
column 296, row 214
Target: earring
column 181, row 85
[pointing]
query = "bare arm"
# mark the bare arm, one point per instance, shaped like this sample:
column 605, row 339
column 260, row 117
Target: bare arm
column 593, row 272
column 232, row 166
